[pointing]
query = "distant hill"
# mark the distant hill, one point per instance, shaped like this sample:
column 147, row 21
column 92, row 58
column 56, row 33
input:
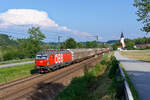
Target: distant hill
column 5, row 40
column 112, row 41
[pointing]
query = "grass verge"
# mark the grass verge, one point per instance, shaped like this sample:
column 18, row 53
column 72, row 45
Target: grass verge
column 132, row 88
column 143, row 55
column 95, row 84
column 13, row 73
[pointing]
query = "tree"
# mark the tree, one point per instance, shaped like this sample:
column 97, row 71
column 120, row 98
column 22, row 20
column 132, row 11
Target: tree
column 143, row 40
column 70, row 44
column 92, row 44
column 35, row 39
column 80, row 45
column 36, row 34
column 21, row 48
column 32, row 45
column 88, row 44
column 129, row 44
column 10, row 53
column 143, row 13
column 114, row 46
column 28, row 48
column 63, row 45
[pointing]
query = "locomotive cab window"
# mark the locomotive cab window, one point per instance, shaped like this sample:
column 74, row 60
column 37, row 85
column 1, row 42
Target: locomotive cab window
column 41, row 57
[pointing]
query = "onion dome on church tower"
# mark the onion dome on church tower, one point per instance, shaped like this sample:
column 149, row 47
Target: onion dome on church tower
column 122, row 36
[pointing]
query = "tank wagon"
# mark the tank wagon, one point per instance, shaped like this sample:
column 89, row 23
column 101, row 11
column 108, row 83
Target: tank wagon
column 53, row 59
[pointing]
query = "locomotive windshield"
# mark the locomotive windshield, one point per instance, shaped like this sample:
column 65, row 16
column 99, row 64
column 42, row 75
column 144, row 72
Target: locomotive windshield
column 41, row 57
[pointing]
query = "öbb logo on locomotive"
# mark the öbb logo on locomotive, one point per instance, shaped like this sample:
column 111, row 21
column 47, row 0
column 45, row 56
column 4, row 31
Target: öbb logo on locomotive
column 59, row 58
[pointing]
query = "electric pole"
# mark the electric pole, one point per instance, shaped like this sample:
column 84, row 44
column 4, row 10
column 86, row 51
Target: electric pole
column 96, row 36
column 59, row 37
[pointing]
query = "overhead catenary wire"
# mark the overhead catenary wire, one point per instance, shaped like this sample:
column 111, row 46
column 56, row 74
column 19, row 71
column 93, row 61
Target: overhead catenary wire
column 50, row 36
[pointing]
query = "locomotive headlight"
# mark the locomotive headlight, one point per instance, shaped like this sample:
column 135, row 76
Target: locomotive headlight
column 41, row 61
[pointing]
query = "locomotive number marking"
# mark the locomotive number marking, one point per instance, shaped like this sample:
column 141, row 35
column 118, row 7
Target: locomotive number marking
column 59, row 58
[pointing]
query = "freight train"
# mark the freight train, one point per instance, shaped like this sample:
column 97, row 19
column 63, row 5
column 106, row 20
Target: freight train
column 53, row 59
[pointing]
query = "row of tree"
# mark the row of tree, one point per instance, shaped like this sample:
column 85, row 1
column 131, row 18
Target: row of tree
column 131, row 43
column 28, row 47
column 143, row 40
column 72, row 44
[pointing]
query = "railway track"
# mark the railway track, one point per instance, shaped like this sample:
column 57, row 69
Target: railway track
column 18, row 81
column 27, row 88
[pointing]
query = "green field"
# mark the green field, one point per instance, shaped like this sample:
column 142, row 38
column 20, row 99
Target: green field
column 143, row 55
column 17, row 72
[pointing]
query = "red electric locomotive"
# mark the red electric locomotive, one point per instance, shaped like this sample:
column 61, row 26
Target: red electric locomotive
column 52, row 59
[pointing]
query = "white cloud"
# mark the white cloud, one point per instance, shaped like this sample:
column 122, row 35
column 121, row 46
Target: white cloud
column 24, row 18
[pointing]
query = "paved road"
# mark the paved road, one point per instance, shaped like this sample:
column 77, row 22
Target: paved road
column 139, row 72
column 15, row 64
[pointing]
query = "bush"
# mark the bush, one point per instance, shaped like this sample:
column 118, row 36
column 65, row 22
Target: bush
column 113, row 67
column 20, row 55
column 80, row 86
column 76, row 90
column 115, row 46
column 116, row 88
column 1, row 57
column 11, row 53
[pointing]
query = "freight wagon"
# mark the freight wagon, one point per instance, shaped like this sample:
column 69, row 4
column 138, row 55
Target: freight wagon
column 53, row 59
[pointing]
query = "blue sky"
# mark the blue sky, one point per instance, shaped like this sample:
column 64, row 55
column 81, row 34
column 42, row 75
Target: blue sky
column 106, row 18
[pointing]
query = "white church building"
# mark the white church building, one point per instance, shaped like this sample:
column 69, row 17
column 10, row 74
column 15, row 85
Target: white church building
column 123, row 45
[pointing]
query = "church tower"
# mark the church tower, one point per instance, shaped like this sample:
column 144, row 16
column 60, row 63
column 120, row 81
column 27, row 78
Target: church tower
column 122, row 40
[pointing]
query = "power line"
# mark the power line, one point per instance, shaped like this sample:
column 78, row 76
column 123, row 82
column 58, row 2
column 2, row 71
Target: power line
column 49, row 35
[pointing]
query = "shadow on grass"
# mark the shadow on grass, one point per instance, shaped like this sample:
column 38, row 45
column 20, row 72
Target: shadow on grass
column 46, row 91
